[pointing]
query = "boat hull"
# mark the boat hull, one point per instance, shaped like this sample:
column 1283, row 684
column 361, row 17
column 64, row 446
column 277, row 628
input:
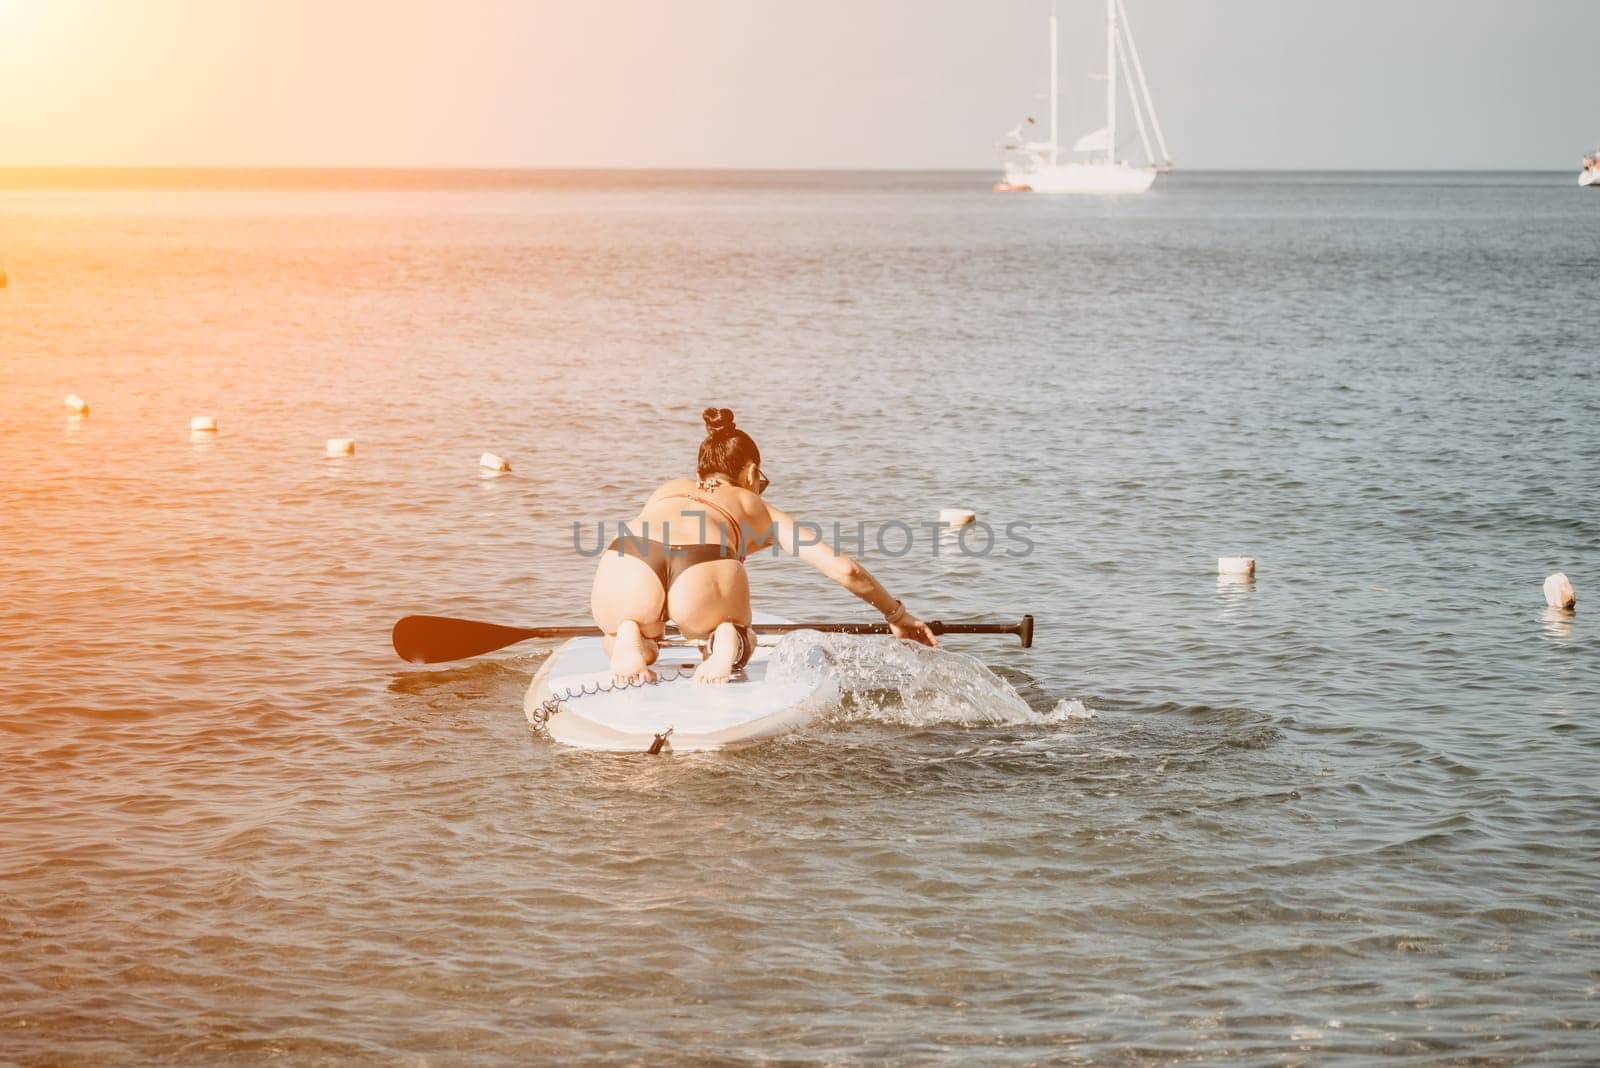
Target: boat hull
column 1590, row 177
column 1091, row 179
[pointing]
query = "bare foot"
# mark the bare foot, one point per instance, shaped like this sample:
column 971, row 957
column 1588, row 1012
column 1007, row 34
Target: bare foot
column 631, row 655
column 718, row 666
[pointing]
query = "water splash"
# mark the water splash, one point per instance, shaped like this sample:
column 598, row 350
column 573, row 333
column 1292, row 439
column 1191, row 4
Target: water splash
column 1071, row 708
column 910, row 685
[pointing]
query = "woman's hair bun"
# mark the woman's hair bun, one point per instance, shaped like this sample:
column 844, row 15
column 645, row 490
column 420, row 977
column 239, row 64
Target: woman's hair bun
column 718, row 420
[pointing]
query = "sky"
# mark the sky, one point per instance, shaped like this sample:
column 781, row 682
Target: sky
column 1358, row 84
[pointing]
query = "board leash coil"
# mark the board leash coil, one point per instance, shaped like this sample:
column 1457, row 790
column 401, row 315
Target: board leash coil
column 540, row 719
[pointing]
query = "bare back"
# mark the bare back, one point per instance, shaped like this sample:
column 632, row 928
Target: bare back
column 676, row 516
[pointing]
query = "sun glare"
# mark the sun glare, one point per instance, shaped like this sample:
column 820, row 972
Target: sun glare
column 21, row 22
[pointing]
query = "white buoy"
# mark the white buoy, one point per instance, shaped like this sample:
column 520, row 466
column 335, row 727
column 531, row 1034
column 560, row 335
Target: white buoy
column 77, row 404
column 203, row 424
column 956, row 517
column 1558, row 592
column 1236, row 565
column 341, row 446
column 490, row 462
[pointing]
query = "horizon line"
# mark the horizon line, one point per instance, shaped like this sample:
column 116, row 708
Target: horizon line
column 334, row 178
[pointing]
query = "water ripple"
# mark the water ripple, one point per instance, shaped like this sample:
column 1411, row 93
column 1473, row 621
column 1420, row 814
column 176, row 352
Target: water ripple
column 1336, row 812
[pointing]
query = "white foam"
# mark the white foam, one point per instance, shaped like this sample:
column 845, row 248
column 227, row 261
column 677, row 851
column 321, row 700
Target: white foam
column 911, row 685
column 1071, row 708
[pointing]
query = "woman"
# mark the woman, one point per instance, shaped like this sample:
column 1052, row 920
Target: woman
column 683, row 559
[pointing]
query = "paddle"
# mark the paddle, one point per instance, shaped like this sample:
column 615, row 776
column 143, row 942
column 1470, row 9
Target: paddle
column 435, row 639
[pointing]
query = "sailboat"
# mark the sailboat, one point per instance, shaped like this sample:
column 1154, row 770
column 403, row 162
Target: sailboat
column 1037, row 166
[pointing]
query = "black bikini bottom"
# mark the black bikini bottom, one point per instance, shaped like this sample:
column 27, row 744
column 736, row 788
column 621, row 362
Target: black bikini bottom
column 669, row 562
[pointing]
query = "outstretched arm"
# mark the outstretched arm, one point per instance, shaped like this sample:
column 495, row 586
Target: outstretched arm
column 849, row 573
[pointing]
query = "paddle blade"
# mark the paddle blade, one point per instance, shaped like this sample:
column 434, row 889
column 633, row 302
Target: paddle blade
column 434, row 639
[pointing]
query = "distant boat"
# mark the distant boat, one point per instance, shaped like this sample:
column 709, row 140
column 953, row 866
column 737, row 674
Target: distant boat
column 1590, row 175
column 1037, row 166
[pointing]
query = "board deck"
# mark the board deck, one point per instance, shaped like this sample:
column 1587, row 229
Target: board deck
column 748, row 709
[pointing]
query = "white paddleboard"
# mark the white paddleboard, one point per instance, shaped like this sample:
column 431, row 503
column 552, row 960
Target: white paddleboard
column 573, row 695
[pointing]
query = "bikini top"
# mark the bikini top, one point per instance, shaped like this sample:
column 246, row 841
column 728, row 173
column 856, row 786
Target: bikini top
column 733, row 524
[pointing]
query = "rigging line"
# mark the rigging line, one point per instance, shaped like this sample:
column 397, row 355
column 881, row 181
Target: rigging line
column 1138, row 69
column 1138, row 112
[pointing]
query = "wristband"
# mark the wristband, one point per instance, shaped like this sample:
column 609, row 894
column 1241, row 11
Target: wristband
column 897, row 615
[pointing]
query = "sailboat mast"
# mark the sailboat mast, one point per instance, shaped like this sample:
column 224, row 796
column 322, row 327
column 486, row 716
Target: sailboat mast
column 1054, row 93
column 1111, row 81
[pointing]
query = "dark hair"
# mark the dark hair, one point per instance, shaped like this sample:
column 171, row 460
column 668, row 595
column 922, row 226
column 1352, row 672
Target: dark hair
column 726, row 447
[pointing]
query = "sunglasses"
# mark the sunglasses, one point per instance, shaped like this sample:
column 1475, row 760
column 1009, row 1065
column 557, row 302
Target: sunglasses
column 762, row 481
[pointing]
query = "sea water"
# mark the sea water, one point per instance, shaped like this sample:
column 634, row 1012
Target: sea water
column 1343, row 810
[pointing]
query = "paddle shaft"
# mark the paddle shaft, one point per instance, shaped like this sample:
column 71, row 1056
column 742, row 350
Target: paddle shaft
column 436, row 639
column 1022, row 629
